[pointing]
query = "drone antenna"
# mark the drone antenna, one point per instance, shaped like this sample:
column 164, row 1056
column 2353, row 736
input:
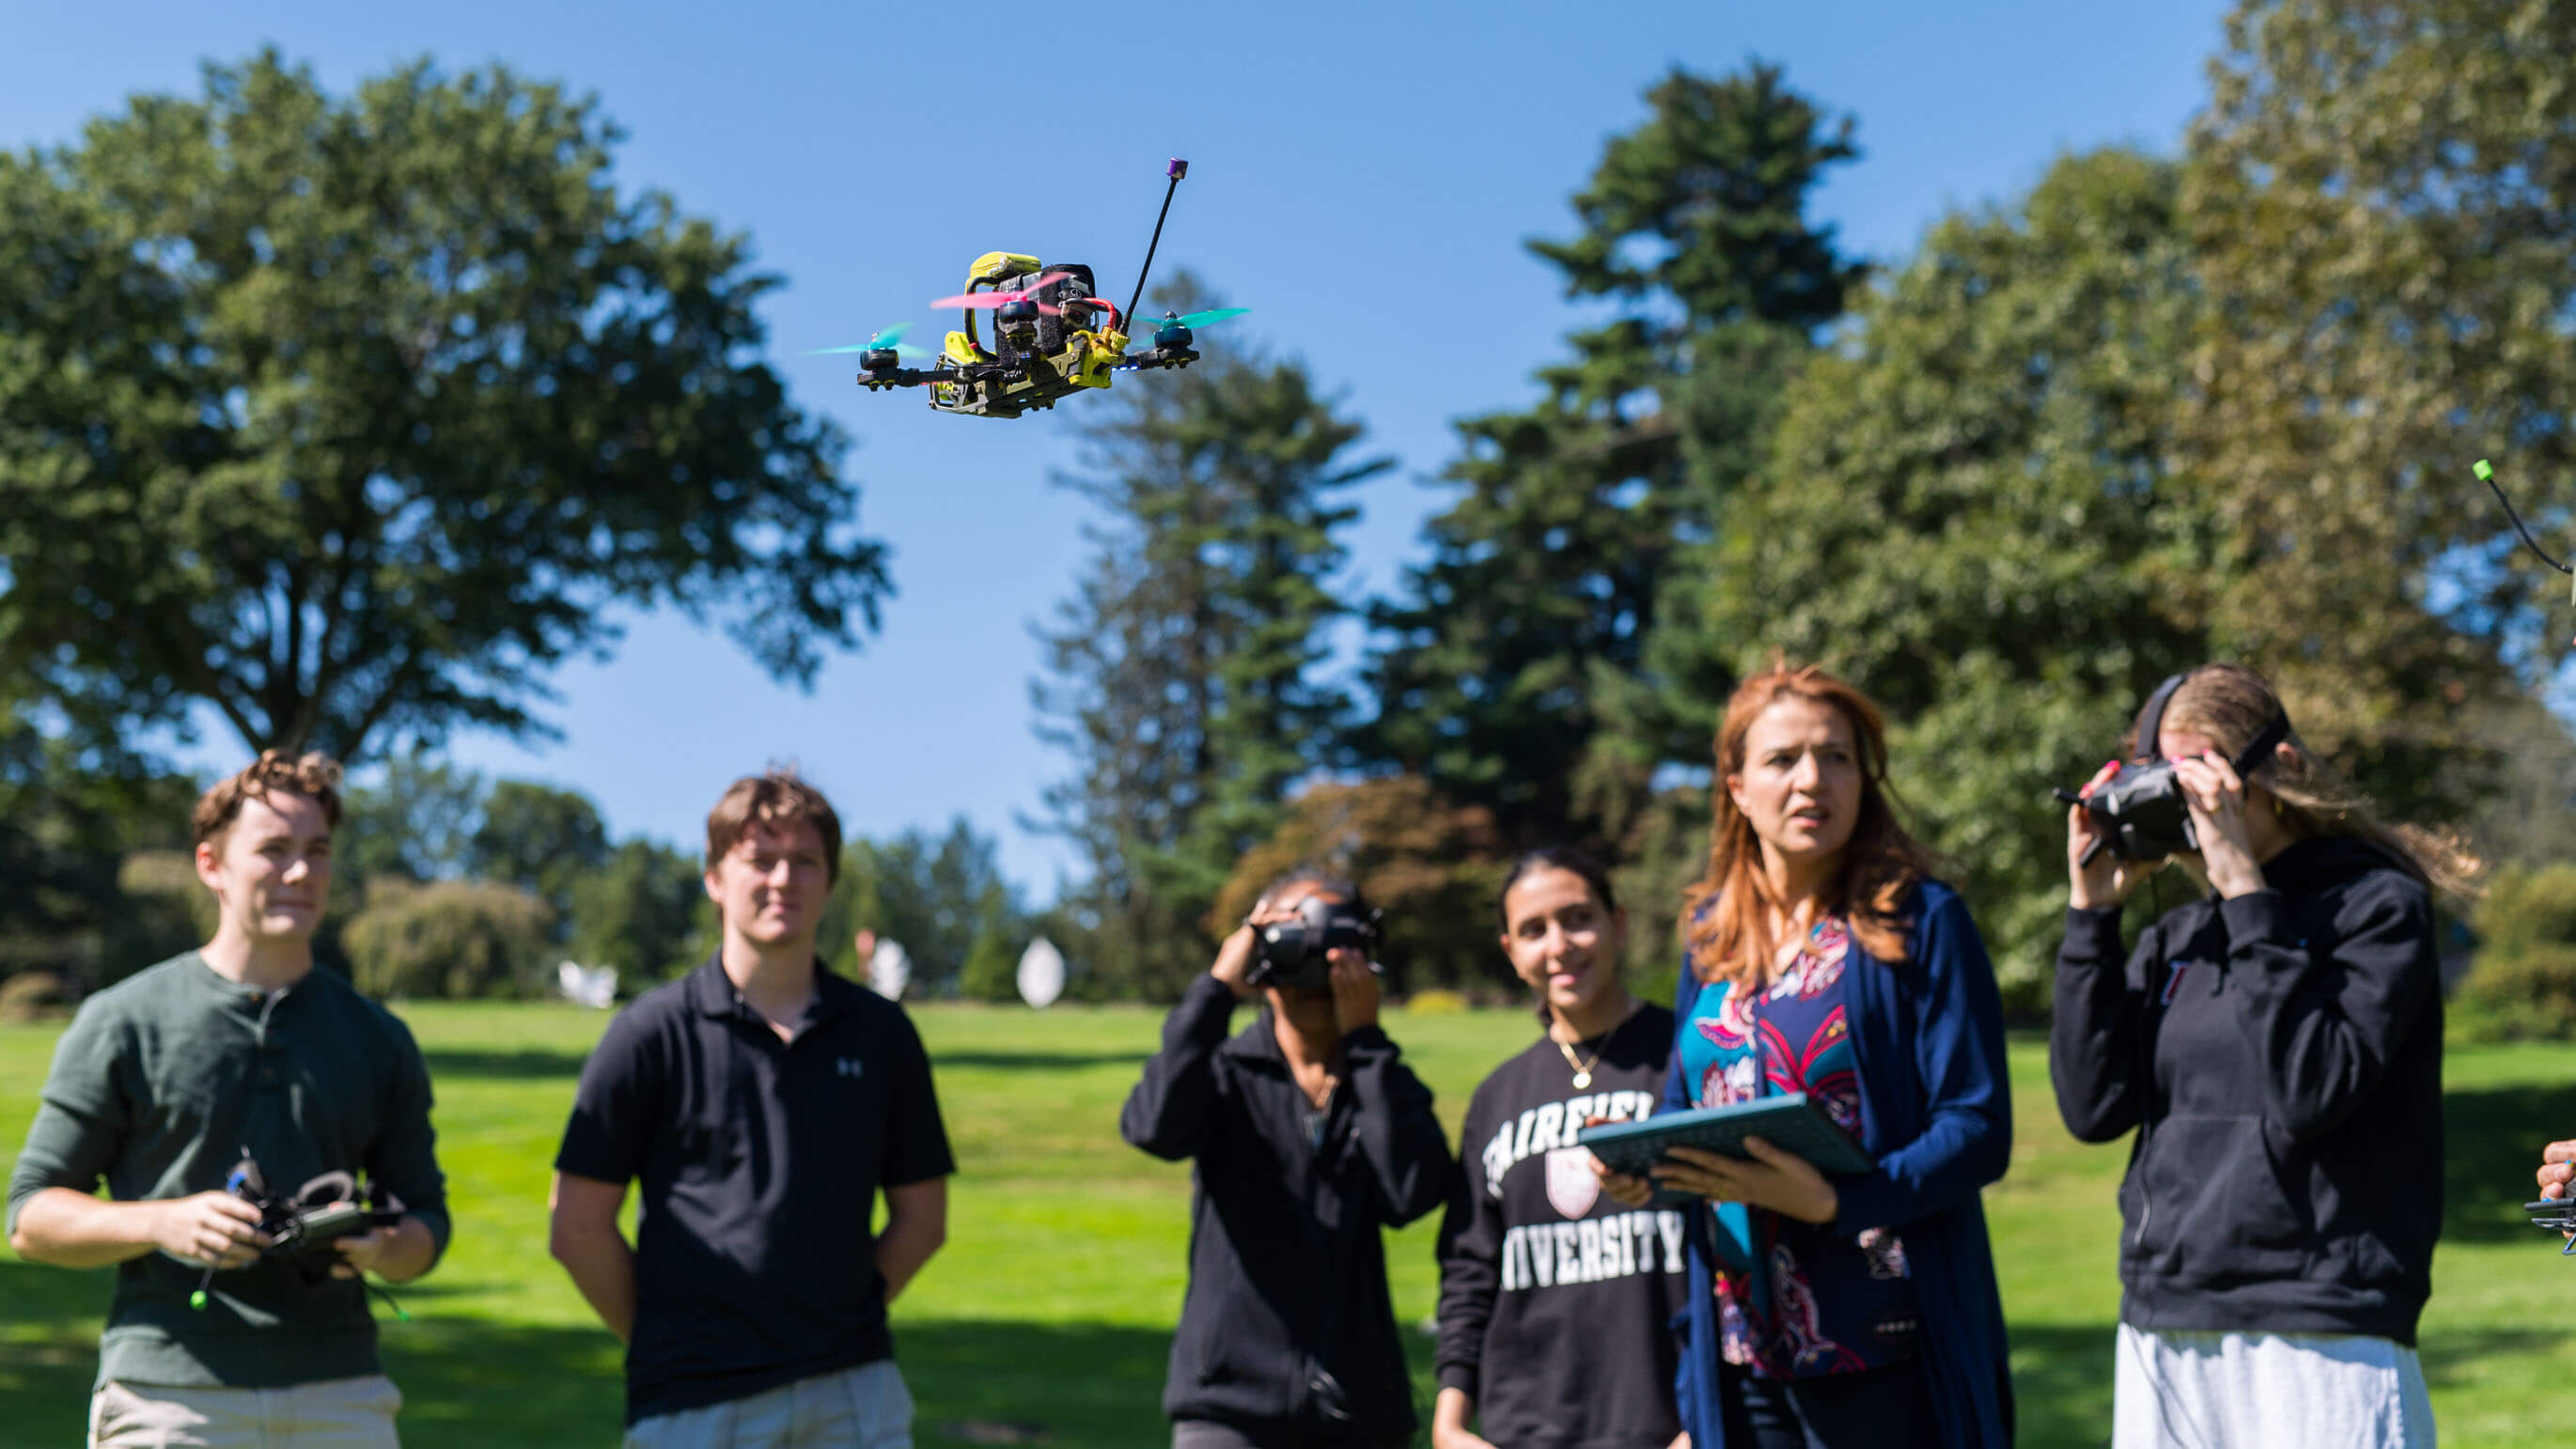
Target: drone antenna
column 1178, row 169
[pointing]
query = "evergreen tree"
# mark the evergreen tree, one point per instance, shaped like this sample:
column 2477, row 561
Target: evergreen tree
column 1182, row 675
column 1547, row 576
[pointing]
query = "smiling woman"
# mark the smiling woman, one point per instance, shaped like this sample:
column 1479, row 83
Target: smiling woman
column 1554, row 1297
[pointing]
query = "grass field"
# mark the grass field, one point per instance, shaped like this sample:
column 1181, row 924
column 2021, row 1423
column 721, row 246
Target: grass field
column 1052, row 1306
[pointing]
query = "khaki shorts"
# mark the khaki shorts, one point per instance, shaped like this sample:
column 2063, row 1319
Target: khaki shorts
column 862, row 1408
column 334, row 1414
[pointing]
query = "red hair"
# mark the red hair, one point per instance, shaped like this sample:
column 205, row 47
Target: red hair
column 1726, row 915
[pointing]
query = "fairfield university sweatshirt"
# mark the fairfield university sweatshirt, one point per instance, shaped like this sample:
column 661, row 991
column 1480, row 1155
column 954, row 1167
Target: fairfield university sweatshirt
column 1555, row 1301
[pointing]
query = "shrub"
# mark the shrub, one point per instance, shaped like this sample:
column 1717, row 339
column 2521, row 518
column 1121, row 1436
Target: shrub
column 1439, row 1001
column 2527, row 908
column 2523, row 983
column 2530, row 996
column 992, row 972
column 452, row 939
column 34, row 996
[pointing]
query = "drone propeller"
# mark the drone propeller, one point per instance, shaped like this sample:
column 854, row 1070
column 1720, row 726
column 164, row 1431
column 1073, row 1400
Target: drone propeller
column 1199, row 319
column 998, row 299
column 885, row 338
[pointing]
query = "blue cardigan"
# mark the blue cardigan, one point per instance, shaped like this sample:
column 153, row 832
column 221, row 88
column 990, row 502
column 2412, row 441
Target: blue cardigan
column 1936, row 1114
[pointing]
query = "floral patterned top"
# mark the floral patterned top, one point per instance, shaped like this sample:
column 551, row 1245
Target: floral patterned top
column 1812, row 1302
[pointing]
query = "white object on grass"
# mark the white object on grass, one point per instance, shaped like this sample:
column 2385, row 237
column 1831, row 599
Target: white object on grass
column 889, row 970
column 1041, row 973
column 591, row 986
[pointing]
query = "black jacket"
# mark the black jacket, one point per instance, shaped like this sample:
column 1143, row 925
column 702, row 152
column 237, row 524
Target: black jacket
column 1287, row 1323
column 2281, row 1057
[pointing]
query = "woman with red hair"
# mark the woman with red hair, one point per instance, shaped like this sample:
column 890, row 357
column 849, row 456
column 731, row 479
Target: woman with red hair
column 1822, row 957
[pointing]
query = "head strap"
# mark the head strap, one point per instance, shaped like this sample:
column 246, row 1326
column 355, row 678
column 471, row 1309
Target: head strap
column 2151, row 721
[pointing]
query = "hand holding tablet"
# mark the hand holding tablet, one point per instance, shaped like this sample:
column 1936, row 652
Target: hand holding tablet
column 1793, row 1123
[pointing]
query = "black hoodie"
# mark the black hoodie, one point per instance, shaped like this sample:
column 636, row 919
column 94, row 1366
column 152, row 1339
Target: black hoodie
column 1286, row 1327
column 2280, row 1055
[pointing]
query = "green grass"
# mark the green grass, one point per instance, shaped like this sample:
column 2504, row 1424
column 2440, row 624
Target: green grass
column 1053, row 1303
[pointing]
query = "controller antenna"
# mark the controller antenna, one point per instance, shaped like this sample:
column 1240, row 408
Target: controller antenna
column 1178, row 169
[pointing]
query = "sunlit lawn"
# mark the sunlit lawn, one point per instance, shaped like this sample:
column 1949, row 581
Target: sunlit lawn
column 1051, row 1307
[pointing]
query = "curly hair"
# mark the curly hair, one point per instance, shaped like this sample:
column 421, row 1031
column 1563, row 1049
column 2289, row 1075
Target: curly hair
column 313, row 775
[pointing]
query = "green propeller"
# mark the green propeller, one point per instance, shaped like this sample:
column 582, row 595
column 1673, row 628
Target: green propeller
column 1195, row 320
column 883, row 338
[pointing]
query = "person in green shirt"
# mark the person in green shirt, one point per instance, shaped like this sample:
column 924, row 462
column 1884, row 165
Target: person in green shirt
column 166, row 1083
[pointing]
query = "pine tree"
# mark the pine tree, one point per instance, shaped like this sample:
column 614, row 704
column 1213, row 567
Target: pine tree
column 1547, row 577
column 1182, row 675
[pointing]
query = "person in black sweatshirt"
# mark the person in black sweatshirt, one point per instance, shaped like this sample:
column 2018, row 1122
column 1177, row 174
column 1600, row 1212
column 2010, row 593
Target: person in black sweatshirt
column 2276, row 1044
column 1310, row 1135
column 1556, row 1300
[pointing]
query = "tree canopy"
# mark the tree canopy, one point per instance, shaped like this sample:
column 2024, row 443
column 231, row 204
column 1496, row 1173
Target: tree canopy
column 349, row 417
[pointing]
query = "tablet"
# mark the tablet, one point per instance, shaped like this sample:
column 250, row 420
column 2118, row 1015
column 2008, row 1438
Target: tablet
column 1792, row 1122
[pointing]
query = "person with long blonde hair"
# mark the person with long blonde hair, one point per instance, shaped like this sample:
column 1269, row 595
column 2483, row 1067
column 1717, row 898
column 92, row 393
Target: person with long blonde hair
column 1823, row 957
column 2276, row 1045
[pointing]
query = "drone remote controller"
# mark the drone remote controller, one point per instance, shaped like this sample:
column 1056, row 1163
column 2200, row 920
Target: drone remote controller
column 303, row 1227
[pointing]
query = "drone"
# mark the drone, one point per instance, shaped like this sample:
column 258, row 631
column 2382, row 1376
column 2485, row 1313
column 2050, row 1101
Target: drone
column 1053, row 335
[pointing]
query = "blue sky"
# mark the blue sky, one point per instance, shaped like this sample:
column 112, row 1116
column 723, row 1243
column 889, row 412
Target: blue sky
column 1362, row 175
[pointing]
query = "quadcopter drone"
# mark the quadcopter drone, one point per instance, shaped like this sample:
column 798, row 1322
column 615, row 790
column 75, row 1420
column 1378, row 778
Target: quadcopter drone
column 1053, row 335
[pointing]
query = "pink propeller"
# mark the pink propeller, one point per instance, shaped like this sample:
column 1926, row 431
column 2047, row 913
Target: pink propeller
column 996, row 299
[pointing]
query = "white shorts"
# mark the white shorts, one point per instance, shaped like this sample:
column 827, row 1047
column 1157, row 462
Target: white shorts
column 2185, row 1390
column 333, row 1414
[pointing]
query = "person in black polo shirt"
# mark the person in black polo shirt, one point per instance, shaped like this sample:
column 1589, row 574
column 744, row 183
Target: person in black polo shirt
column 763, row 1102
column 1310, row 1135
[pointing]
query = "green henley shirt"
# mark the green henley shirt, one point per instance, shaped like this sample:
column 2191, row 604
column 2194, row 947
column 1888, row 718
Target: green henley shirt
column 160, row 1085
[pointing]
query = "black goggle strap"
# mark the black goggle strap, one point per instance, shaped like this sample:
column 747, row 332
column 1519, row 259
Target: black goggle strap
column 2151, row 719
column 2151, row 723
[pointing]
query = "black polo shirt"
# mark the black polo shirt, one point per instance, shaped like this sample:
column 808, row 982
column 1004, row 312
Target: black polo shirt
column 755, row 1261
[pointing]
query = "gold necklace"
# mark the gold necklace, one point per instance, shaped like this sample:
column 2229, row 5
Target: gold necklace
column 1582, row 1068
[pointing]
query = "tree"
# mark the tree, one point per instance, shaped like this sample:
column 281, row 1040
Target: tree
column 992, row 969
column 2379, row 195
column 938, row 897
column 1431, row 867
column 1972, row 512
column 643, row 911
column 71, row 820
column 350, row 417
column 1548, row 575
column 1183, row 674
column 417, row 824
column 538, row 838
